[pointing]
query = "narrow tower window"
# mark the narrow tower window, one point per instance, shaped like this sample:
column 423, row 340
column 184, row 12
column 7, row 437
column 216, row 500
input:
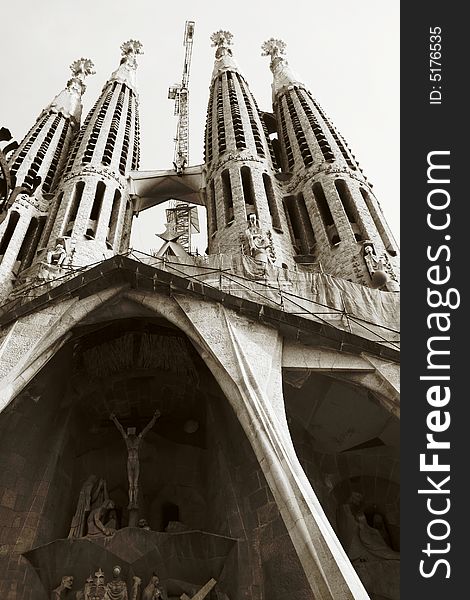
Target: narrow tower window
column 212, row 208
column 236, row 115
column 50, row 221
column 127, row 138
column 325, row 214
column 208, row 151
column 302, row 232
column 228, row 198
column 249, row 107
column 96, row 209
column 126, row 228
column 9, row 231
column 27, row 241
column 33, row 134
column 98, row 124
column 350, row 209
column 79, row 138
column 77, row 198
column 52, row 172
column 248, row 190
column 316, row 128
column 272, row 204
column 380, row 225
column 285, row 138
column 136, row 149
column 31, row 251
column 336, row 136
column 299, row 132
column 41, row 153
column 113, row 219
column 220, row 118
column 113, row 129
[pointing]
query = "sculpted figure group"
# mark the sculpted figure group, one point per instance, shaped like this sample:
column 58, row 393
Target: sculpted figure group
column 96, row 588
column 91, row 517
column 95, row 516
column 94, row 512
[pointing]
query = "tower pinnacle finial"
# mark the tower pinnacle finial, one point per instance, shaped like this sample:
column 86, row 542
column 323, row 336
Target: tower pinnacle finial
column 68, row 102
column 125, row 73
column 273, row 48
column 132, row 47
column 222, row 40
column 224, row 61
column 283, row 75
column 82, row 67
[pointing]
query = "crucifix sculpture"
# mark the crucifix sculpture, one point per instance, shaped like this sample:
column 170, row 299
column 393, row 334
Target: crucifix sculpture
column 132, row 443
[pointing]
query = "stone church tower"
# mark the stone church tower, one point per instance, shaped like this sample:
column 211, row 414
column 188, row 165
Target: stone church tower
column 41, row 154
column 221, row 426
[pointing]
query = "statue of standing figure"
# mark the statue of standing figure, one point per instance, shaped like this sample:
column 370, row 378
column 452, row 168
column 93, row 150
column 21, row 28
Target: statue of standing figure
column 133, row 443
column 116, row 589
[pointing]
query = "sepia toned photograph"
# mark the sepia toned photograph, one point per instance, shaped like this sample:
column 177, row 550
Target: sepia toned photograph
column 199, row 301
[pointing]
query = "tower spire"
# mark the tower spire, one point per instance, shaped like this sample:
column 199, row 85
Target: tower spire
column 92, row 211
column 334, row 220
column 126, row 72
column 283, row 76
column 68, row 102
column 38, row 161
column 224, row 61
column 242, row 191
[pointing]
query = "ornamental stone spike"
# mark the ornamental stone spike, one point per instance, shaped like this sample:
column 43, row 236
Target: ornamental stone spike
column 132, row 48
column 126, row 71
column 283, row 76
column 273, row 48
column 81, row 68
column 69, row 101
column 222, row 40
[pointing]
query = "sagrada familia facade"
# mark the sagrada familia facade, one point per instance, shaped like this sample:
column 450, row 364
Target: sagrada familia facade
column 175, row 426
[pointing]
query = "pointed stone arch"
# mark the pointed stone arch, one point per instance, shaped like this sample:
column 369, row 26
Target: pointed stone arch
column 245, row 357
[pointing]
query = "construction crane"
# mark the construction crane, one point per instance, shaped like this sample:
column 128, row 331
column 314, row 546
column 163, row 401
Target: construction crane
column 180, row 93
column 182, row 217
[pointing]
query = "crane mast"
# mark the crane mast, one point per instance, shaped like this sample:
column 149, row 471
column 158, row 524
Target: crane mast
column 180, row 215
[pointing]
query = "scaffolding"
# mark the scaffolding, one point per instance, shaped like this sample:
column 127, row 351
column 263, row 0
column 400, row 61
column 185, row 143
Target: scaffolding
column 183, row 219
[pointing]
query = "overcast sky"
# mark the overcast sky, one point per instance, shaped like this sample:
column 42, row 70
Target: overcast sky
column 347, row 53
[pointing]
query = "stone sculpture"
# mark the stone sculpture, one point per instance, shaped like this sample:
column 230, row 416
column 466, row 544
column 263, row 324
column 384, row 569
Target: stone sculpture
column 116, row 589
column 58, row 254
column 153, row 590
column 94, row 589
column 85, row 594
column 97, row 523
column 376, row 563
column 375, row 265
column 132, row 443
column 259, row 242
column 62, row 590
column 361, row 541
column 91, row 493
